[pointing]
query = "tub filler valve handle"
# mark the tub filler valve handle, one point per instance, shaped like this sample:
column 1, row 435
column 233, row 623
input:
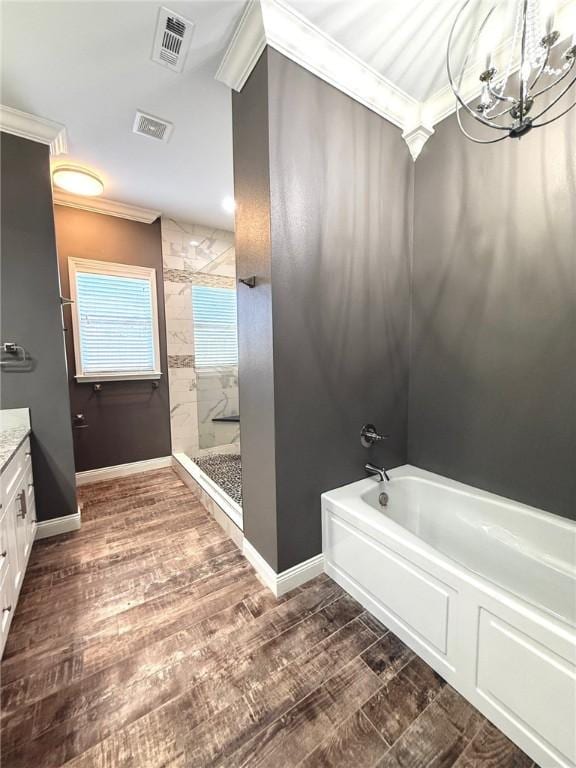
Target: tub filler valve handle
column 369, row 435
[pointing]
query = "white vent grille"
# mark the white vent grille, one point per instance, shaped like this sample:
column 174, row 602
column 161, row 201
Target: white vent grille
column 172, row 39
column 153, row 127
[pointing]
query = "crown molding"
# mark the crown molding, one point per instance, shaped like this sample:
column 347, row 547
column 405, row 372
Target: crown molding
column 275, row 23
column 416, row 138
column 245, row 48
column 34, row 128
column 291, row 34
column 106, row 207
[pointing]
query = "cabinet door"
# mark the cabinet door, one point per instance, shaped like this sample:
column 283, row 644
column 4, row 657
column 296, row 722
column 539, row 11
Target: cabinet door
column 8, row 569
column 18, row 511
column 7, row 606
column 30, row 519
column 7, row 549
column 12, row 561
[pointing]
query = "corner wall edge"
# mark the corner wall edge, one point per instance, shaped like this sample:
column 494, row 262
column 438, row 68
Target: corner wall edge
column 281, row 583
column 245, row 48
column 34, row 128
column 416, row 137
column 58, row 525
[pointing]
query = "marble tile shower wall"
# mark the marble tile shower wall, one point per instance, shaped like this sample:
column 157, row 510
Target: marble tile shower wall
column 196, row 255
column 217, row 397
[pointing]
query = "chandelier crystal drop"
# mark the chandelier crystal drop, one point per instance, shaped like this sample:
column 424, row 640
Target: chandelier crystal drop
column 523, row 80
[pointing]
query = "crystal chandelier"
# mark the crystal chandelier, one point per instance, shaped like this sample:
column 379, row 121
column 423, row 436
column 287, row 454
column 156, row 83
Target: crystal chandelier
column 523, row 83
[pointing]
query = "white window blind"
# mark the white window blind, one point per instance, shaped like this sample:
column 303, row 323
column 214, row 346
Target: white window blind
column 215, row 326
column 115, row 329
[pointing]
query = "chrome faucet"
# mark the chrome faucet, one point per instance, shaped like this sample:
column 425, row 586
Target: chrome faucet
column 374, row 470
column 369, row 435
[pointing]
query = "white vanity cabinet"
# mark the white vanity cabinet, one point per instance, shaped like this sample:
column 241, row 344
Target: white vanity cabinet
column 17, row 530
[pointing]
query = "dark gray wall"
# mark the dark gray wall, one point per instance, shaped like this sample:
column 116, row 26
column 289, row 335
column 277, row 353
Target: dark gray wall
column 341, row 193
column 128, row 420
column 340, row 210
column 493, row 370
column 31, row 316
column 253, row 257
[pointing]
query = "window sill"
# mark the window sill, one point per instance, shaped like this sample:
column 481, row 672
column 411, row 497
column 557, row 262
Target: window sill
column 92, row 378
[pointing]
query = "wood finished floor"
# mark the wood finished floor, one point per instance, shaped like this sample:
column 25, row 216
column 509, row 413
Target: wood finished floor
column 146, row 640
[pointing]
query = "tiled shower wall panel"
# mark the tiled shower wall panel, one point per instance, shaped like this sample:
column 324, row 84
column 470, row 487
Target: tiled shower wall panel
column 217, row 397
column 211, row 262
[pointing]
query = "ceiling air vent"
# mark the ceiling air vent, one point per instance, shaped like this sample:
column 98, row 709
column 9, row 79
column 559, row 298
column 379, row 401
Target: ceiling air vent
column 154, row 127
column 172, row 39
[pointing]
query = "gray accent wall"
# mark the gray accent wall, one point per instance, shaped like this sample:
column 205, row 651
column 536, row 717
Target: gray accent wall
column 493, row 369
column 126, row 421
column 31, row 316
column 436, row 299
column 335, row 190
column 341, row 189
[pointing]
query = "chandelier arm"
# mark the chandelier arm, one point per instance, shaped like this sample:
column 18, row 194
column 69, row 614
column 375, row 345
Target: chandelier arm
column 552, row 119
column 456, row 91
column 556, row 82
column 501, row 114
column 500, row 96
column 540, row 71
column 523, row 84
column 478, row 118
column 472, row 138
column 556, row 100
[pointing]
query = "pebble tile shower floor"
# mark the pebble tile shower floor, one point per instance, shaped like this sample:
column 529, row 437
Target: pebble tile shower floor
column 145, row 639
column 226, row 471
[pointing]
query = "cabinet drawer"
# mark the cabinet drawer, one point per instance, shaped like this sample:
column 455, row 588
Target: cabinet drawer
column 14, row 471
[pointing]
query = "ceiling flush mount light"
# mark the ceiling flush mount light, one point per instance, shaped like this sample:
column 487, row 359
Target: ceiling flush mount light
column 229, row 204
column 78, row 181
column 525, row 81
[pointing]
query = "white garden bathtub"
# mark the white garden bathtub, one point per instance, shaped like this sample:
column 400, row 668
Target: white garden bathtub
column 483, row 588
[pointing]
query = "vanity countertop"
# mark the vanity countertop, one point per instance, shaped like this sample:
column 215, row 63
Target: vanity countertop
column 14, row 428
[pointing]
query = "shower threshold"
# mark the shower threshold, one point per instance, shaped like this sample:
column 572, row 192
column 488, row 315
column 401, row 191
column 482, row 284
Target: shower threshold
column 225, row 469
column 221, row 480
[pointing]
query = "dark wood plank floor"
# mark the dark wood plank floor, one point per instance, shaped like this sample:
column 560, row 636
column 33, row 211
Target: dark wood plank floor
column 146, row 640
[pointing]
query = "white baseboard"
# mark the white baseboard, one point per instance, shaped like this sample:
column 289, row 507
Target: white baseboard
column 122, row 470
column 299, row 574
column 280, row 583
column 266, row 573
column 57, row 525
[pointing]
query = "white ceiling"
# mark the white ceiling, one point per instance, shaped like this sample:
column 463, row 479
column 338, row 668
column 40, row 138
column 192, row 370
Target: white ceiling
column 87, row 65
column 403, row 40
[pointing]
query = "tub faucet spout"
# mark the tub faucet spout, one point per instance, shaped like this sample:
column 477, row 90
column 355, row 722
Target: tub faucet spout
column 381, row 472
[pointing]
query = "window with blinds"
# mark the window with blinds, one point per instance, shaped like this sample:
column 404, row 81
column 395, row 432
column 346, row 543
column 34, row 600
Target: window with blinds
column 215, row 326
column 115, row 321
